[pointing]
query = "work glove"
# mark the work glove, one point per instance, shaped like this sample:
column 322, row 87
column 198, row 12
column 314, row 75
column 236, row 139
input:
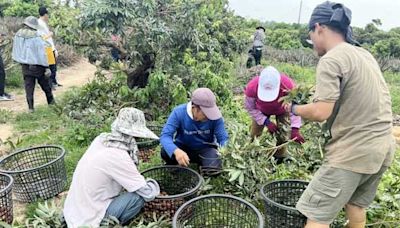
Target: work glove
column 149, row 191
column 296, row 136
column 272, row 128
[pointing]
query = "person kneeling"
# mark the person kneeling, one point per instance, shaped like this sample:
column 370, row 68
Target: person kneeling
column 108, row 166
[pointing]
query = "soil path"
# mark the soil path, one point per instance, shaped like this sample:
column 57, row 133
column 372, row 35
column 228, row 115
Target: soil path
column 77, row 75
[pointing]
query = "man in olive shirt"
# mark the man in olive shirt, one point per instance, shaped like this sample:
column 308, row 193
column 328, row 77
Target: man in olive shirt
column 351, row 94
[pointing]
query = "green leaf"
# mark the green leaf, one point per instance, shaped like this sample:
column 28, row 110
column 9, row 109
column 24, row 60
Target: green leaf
column 234, row 175
column 241, row 179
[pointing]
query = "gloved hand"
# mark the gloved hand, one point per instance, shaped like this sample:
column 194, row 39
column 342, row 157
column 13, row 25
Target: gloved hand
column 272, row 128
column 149, row 191
column 296, row 136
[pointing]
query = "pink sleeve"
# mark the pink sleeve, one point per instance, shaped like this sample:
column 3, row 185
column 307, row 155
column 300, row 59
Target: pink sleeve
column 287, row 83
column 295, row 121
column 250, row 106
column 251, row 88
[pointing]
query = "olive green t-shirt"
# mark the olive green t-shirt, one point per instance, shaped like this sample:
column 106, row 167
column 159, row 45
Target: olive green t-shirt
column 361, row 133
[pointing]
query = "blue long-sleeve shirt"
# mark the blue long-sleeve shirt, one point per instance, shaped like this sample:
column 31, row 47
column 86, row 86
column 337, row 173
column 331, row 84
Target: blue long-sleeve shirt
column 182, row 130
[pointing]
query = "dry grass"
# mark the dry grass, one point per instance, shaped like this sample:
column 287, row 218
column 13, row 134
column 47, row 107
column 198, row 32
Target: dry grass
column 67, row 55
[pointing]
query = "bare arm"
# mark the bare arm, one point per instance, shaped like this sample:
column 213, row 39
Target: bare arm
column 318, row 111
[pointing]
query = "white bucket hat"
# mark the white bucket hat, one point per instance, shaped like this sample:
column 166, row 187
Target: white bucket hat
column 131, row 121
column 269, row 84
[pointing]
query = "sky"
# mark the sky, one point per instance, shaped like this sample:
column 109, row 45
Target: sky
column 288, row 10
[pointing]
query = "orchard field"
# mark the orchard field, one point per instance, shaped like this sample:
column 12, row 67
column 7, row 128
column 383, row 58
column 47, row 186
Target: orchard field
column 169, row 48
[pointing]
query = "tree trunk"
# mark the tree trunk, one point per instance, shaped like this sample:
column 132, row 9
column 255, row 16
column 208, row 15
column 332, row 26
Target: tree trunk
column 140, row 76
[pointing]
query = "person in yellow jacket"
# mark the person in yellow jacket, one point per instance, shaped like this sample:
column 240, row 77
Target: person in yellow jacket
column 47, row 35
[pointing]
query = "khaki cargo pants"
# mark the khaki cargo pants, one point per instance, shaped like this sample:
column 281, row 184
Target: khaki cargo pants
column 282, row 122
column 332, row 188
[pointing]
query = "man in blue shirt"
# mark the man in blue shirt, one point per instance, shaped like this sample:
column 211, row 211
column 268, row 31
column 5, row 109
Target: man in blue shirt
column 194, row 131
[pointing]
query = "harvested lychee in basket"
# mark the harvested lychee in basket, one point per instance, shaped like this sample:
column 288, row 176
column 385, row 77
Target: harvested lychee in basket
column 177, row 184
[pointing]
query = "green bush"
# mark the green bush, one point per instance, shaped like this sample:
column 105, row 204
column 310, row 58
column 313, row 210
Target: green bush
column 4, row 4
column 388, row 47
column 64, row 22
column 284, row 39
column 21, row 9
column 14, row 78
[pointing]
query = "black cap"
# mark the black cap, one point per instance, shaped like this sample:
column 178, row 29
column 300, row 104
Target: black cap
column 43, row 11
column 261, row 27
column 335, row 15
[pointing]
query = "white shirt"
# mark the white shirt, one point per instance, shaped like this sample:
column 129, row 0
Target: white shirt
column 45, row 31
column 99, row 176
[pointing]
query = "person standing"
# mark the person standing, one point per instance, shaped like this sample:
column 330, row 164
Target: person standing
column 262, row 96
column 258, row 44
column 45, row 32
column 352, row 96
column 29, row 51
column 3, row 95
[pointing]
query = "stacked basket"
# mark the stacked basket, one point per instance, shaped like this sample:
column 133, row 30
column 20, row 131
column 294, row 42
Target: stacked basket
column 6, row 204
column 38, row 172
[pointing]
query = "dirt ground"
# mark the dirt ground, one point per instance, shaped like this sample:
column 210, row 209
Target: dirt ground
column 74, row 76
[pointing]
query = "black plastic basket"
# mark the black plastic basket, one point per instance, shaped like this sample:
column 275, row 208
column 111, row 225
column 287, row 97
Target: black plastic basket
column 177, row 185
column 144, row 144
column 6, row 204
column 38, row 172
column 280, row 198
column 217, row 210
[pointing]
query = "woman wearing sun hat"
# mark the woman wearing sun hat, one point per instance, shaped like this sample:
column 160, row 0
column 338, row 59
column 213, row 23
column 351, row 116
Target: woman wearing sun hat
column 29, row 50
column 262, row 95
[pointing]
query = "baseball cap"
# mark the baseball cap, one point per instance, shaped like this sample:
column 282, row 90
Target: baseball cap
column 205, row 98
column 269, row 84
